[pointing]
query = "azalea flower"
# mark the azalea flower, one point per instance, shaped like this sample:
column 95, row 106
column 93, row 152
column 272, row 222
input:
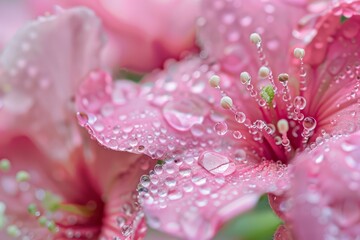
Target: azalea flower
column 141, row 34
column 56, row 183
column 246, row 117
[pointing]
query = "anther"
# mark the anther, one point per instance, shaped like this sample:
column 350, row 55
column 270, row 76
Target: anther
column 299, row 53
column 283, row 77
column 264, row 72
column 13, row 231
column 22, row 176
column 255, row 38
column 245, row 77
column 283, row 126
column 5, row 165
column 214, row 81
column 226, row 102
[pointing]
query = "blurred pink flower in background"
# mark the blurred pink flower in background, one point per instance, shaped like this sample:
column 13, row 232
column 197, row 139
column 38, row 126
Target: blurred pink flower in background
column 56, row 183
column 219, row 160
column 141, row 34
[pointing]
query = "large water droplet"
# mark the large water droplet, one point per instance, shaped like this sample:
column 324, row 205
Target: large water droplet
column 216, row 163
column 309, row 123
column 221, row 128
column 184, row 114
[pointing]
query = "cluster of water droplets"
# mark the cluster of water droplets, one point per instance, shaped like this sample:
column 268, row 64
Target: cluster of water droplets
column 189, row 185
column 266, row 98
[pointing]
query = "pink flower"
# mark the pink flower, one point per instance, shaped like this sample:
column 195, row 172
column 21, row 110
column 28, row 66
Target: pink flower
column 55, row 182
column 141, row 34
column 227, row 144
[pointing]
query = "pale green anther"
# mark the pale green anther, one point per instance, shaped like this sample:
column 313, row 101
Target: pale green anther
column 42, row 221
column 51, row 226
column 267, row 93
column 13, row 231
column 5, row 165
column 2, row 220
column 51, row 202
column 22, row 176
column 2, row 215
column 32, row 209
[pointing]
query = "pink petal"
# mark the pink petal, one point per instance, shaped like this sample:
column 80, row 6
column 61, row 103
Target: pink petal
column 155, row 34
column 225, row 27
column 333, row 70
column 282, row 233
column 191, row 197
column 157, row 121
column 40, row 70
column 325, row 193
column 46, row 175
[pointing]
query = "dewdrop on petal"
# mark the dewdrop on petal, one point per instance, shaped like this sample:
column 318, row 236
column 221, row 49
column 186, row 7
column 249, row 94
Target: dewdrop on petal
column 226, row 102
column 255, row 38
column 283, row 126
column 245, row 77
column 299, row 53
column 264, row 72
column 214, row 81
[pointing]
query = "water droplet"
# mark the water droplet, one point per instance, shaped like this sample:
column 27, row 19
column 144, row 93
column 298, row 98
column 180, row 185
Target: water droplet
column 216, row 163
column 145, row 181
column 184, row 114
column 299, row 102
column 221, row 128
column 240, row 155
column 197, row 130
column 237, row 134
column 309, row 123
column 82, row 118
column 240, row 117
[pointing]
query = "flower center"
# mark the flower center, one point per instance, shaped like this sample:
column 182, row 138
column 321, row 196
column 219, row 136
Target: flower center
column 283, row 125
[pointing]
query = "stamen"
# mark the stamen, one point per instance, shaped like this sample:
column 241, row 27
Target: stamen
column 309, row 125
column 22, row 176
column 214, row 81
column 226, row 102
column 283, row 128
column 13, row 231
column 264, row 72
column 246, row 80
column 256, row 39
column 284, row 78
column 299, row 104
column 299, row 53
column 5, row 165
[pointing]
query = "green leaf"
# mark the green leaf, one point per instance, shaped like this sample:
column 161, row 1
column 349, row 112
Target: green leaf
column 260, row 223
column 343, row 19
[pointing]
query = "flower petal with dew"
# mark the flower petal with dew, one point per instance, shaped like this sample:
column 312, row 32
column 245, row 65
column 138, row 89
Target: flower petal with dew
column 33, row 69
column 55, row 182
column 255, row 124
